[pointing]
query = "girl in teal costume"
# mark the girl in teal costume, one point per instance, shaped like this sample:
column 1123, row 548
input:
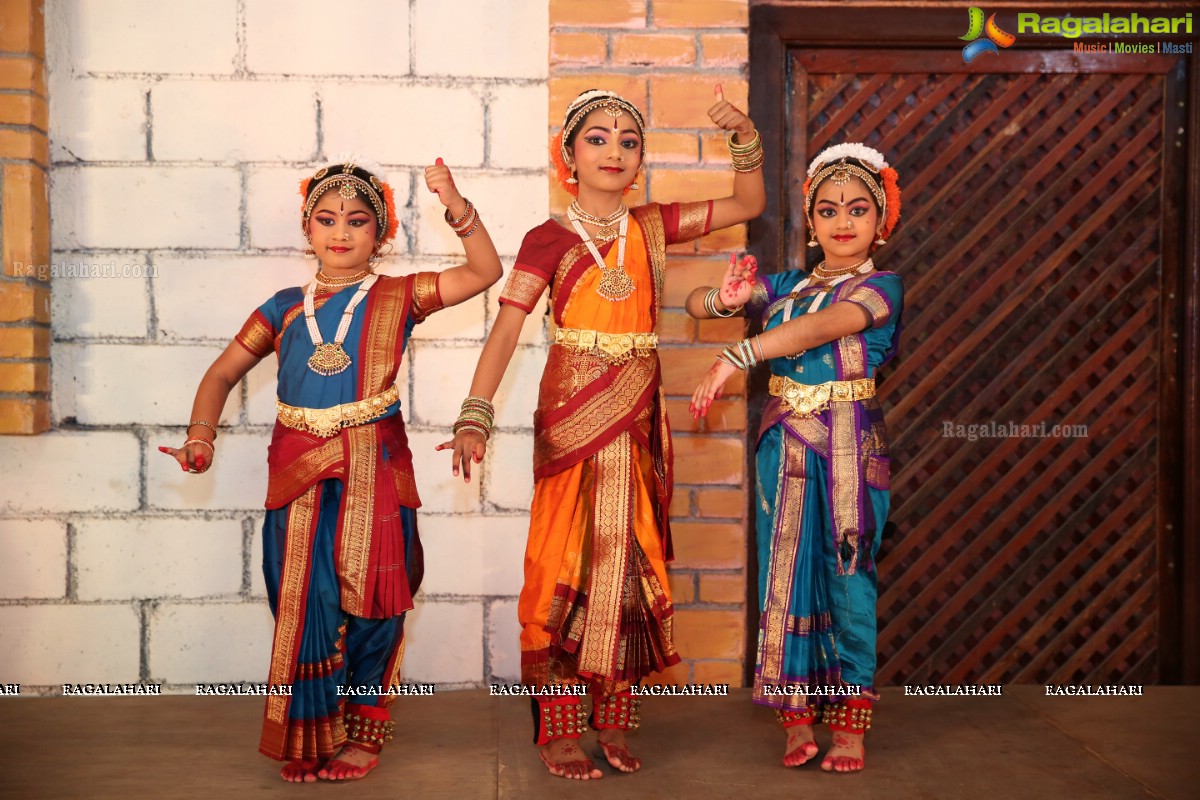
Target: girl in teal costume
column 821, row 497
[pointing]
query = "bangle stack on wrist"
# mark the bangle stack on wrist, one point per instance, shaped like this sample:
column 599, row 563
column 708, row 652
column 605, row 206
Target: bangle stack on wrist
column 466, row 224
column 741, row 354
column 197, row 440
column 713, row 304
column 746, row 157
column 477, row 415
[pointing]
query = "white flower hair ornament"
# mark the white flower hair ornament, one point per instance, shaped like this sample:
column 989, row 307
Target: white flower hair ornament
column 858, row 150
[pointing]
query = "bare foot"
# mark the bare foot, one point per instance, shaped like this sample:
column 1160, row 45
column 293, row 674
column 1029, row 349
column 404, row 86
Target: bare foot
column 564, row 759
column 350, row 764
column 846, row 754
column 616, row 750
column 800, row 745
column 300, row 771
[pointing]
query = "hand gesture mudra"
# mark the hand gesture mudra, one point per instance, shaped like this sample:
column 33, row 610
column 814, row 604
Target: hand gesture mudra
column 738, row 283
column 728, row 117
column 193, row 457
column 468, row 446
column 441, row 182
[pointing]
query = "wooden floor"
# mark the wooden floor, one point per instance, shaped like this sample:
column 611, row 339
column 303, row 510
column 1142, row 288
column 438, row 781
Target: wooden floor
column 467, row 745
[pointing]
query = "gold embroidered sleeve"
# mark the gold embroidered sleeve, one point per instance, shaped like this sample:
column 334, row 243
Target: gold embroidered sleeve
column 693, row 220
column 256, row 336
column 873, row 301
column 523, row 289
column 426, row 297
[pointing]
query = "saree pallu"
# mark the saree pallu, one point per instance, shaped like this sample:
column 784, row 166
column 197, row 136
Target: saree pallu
column 595, row 606
column 821, row 500
column 342, row 556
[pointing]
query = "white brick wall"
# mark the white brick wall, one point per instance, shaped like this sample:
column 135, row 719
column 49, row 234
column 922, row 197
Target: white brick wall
column 179, row 134
column 34, row 562
column 150, row 558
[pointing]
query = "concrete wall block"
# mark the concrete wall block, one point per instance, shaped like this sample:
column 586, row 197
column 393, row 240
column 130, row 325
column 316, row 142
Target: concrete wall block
column 441, row 379
column 136, row 36
column 431, row 655
column 66, row 472
column 441, row 492
column 473, row 555
column 104, row 299
column 145, row 207
column 102, row 384
column 509, row 44
column 147, row 558
column 507, row 221
column 516, row 399
column 211, row 642
column 508, row 483
column 98, row 120
column 48, row 645
column 33, row 558
column 240, row 120
column 517, row 136
column 237, row 480
column 292, row 42
column 463, row 321
column 186, row 292
column 504, row 641
column 376, row 120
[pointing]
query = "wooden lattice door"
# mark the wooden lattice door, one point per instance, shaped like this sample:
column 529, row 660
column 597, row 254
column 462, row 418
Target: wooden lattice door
column 1039, row 248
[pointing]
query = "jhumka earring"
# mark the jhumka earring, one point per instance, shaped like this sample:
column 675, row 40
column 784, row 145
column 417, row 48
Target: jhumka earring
column 812, row 238
column 633, row 187
column 880, row 239
column 572, row 180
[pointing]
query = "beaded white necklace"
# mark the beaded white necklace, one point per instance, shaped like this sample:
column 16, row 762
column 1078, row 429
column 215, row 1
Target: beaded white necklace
column 615, row 283
column 330, row 359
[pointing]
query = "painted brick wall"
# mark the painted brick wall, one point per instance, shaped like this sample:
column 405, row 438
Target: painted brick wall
column 178, row 134
column 24, row 229
column 665, row 55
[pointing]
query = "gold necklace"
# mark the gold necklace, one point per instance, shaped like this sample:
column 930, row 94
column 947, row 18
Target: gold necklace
column 607, row 230
column 821, row 273
column 329, row 280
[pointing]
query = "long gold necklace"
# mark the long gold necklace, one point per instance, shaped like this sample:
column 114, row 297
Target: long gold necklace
column 330, row 359
column 615, row 283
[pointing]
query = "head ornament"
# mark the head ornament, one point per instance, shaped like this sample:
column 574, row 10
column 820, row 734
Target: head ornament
column 350, row 177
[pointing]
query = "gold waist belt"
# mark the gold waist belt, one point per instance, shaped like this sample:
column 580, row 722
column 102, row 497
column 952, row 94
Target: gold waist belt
column 328, row 421
column 807, row 400
column 612, row 347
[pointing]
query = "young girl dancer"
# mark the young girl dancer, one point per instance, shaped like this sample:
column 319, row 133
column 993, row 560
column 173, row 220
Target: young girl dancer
column 822, row 489
column 342, row 557
column 594, row 610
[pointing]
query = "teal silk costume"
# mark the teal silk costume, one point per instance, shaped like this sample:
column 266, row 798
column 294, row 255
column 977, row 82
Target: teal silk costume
column 821, row 500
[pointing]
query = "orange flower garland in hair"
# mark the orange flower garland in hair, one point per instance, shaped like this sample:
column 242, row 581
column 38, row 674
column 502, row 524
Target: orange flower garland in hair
column 561, row 168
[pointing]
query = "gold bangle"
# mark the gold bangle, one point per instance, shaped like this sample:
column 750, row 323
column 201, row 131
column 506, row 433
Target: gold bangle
column 205, row 442
column 208, row 425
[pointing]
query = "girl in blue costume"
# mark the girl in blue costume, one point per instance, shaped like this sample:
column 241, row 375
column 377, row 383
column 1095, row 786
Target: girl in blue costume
column 342, row 557
column 822, row 490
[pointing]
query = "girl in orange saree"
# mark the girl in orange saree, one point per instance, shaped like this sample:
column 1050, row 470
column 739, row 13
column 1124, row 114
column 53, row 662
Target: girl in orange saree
column 595, row 610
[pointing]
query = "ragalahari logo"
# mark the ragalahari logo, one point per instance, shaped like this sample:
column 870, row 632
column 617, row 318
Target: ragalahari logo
column 995, row 36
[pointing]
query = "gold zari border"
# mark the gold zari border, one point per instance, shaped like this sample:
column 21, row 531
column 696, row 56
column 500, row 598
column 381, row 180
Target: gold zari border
column 615, row 348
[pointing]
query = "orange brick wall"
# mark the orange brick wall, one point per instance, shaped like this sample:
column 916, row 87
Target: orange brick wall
column 24, row 221
column 665, row 55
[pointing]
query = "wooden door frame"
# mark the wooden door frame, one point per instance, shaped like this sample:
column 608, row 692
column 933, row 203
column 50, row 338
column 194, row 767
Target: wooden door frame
column 776, row 28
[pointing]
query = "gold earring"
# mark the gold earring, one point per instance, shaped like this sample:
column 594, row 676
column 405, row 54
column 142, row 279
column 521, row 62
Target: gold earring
column 572, row 180
column 812, row 238
column 633, row 187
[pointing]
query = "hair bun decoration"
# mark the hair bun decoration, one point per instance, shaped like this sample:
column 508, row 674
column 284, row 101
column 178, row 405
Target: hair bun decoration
column 856, row 150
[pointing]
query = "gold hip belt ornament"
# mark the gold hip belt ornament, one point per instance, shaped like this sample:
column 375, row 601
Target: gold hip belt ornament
column 612, row 347
column 327, row 422
column 806, row 400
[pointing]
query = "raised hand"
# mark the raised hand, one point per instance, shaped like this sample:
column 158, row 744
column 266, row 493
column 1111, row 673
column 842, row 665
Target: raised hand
column 441, row 182
column 738, row 283
column 728, row 117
